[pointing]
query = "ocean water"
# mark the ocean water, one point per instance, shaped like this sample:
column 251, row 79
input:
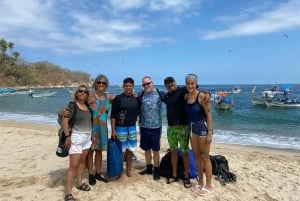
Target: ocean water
column 245, row 124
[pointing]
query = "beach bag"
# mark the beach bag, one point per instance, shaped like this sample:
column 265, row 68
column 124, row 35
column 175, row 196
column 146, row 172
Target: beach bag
column 60, row 150
column 114, row 157
column 192, row 166
column 220, row 168
column 165, row 167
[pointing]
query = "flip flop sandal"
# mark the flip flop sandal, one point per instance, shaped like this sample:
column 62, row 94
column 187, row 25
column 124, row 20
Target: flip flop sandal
column 197, row 188
column 172, row 180
column 204, row 192
column 69, row 197
column 84, row 187
column 187, row 183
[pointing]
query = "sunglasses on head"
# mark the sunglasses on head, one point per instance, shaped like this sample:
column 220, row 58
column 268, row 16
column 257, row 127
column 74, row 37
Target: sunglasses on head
column 101, row 83
column 83, row 91
column 146, row 84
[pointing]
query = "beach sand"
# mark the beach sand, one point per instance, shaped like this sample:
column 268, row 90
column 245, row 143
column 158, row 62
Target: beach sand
column 30, row 171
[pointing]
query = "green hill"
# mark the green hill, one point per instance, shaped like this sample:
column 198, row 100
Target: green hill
column 15, row 72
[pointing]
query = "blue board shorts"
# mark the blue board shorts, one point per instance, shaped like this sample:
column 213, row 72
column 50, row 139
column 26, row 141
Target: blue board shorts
column 128, row 137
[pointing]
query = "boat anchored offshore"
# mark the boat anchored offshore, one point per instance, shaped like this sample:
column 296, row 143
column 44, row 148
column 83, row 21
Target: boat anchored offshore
column 266, row 95
column 222, row 102
column 283, row 103
column 288, row 99
column 40, row 95
column 236, row 90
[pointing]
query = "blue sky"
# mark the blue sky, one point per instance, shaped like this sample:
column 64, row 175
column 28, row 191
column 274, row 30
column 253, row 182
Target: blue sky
column 222, row 41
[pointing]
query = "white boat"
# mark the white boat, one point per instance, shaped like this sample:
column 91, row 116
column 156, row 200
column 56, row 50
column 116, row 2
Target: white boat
column 266, row 95
column 287, row 103
column 40, row 95
column 285, row 100
column 16, row 93
column 26, row 91
column 236, row 90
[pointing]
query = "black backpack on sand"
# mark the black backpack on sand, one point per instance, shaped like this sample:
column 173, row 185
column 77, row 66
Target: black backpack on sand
column 165, row 167
column 220, row 168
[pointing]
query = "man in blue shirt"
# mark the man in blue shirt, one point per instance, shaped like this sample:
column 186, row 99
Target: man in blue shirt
column 151, row 125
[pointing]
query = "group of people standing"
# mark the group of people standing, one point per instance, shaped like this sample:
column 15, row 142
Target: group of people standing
column 189, row 121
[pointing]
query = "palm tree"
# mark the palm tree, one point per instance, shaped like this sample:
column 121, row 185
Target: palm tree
column 16, row 55
column 10, row 46
column 3, row 48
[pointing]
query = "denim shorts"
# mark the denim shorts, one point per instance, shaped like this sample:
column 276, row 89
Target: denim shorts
column 199, row 128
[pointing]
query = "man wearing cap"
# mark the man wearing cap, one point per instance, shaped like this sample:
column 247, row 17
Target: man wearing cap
column 177, row 132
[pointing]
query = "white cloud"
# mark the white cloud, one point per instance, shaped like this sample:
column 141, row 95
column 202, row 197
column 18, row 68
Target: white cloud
column 284, row 17
column 92, row 26
column 19, row 14
column 174, row 5
column 126, row 4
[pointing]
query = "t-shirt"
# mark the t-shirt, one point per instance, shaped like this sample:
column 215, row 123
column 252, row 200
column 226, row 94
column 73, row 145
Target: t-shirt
column 175, row 102
column 82, row 123
column 125, row 110
column 151, row 109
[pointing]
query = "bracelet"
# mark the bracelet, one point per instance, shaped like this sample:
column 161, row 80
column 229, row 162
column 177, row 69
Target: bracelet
column 66, row 136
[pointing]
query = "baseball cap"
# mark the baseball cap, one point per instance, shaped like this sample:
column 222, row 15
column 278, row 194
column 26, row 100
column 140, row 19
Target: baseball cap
column 169, row 79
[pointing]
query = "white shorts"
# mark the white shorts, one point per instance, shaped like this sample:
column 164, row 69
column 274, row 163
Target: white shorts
column 80, row 142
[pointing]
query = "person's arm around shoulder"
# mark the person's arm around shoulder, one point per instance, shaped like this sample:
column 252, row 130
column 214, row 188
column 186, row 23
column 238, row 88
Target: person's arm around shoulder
column 206, row 106
column 110, row 97
column 206, row 96
column 163, row 94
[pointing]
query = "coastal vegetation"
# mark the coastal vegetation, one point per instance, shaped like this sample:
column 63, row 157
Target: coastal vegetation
column 16, row 72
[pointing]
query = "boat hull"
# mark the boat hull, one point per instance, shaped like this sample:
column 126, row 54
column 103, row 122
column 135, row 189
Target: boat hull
column 222, row 105
column 50, row 94
column 281, row 104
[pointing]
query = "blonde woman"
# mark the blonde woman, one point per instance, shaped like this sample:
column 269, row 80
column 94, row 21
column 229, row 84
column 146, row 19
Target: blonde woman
column 78, row 142
column 200, row 122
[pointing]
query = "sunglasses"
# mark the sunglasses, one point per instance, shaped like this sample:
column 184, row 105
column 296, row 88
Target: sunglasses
column 146, row 84
column 99, row 83
column 83, row 91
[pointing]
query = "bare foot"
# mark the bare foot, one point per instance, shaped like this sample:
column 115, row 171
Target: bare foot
column 128, row 173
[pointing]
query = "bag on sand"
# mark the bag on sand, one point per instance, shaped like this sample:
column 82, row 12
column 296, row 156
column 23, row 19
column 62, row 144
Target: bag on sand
column 114, row 157
column 61, row 151
column 165, row 167
column 192, row 167
column 220, row 168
